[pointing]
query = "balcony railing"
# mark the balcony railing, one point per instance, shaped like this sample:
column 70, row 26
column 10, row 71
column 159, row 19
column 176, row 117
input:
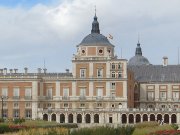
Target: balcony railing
column 16, row 97
column 49, row 97
column 99, row 98
column 82, row 98
column 28, row 97
column 150, row 99
column 65, row 98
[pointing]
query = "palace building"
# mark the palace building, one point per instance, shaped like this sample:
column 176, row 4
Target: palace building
column 101, row 89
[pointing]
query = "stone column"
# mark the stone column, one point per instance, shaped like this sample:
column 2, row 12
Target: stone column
column 57, row 118
column 141, row 118
column 49, row 117
column 148, row 118
column 135, row 119
column 169, row 119
column 92, row 118
column 83, row 118
column 66, row 118
column 127, row 119
column 74, row 118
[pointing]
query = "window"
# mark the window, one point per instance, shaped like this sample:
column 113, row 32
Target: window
column 113, row 95
column 66, row 92
column 27, row 104
column 119, row 75
column 99, row 93
column 99, row 105
column 28, row 92
column 150, row 95
column 82, row 73
column 4, row 92
column 119, row 66
column 162, row 95
column 113, row 75
column 16, row 93
column 16, row 105
column 113, row 86
column 99, row 72
column 49, row 93
column 82, row 92
column 65, row 104
column 113, row 66
column 175, row 95
column 49, row 105
column 100, row 51
column 16, row 113
column 28, row 114
column 109, row 51
column 83, row 51
column 82, row 105
column 112, row 105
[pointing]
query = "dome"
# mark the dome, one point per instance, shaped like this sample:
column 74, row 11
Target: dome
column 138, row 59
column 95, row 39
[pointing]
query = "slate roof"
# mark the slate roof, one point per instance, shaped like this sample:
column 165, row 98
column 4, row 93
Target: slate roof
column 138, row 60
column 95, row 39
column 156, row 73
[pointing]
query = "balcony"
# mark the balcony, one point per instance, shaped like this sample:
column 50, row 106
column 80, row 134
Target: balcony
column 99, row 98
column 28, row 97
column 175, row 99
column 49, row 97
column 163, row 99
column 82, row 98
column 150, row 99
column 65, row 98
column 16, row 97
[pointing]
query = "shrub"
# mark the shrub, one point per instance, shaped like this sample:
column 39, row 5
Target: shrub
column 147, row 130
column 146, row 124
column 44, row 131
column 1, row 120
column 128, row 130
column 19, row 121
column 174, row 126
column 166, row 132
column 4, row 128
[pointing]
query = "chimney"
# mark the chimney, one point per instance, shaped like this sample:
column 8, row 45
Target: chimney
column 67, row 70
column 1, row 71
column 11, row 71
column 165, row 61
column 15, row 70
column 39, row 70
column 5, row 71
column 25, row 70
column 45, row 70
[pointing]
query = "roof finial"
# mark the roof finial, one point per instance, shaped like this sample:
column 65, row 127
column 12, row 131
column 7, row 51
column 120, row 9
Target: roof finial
column 95, row 24
column 95, row 9
column 138, row 48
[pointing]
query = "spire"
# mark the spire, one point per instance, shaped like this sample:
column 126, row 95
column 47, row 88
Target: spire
column 138, row 49
column 95, row 24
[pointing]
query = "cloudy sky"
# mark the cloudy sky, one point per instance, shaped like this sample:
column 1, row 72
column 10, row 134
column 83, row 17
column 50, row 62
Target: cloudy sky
column 32, row 31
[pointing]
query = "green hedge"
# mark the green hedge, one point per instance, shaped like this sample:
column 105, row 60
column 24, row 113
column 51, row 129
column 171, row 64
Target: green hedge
column 128, row 130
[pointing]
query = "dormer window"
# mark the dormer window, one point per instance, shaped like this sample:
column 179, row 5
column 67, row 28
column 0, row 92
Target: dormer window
column 100, row 51
column 83, row 51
